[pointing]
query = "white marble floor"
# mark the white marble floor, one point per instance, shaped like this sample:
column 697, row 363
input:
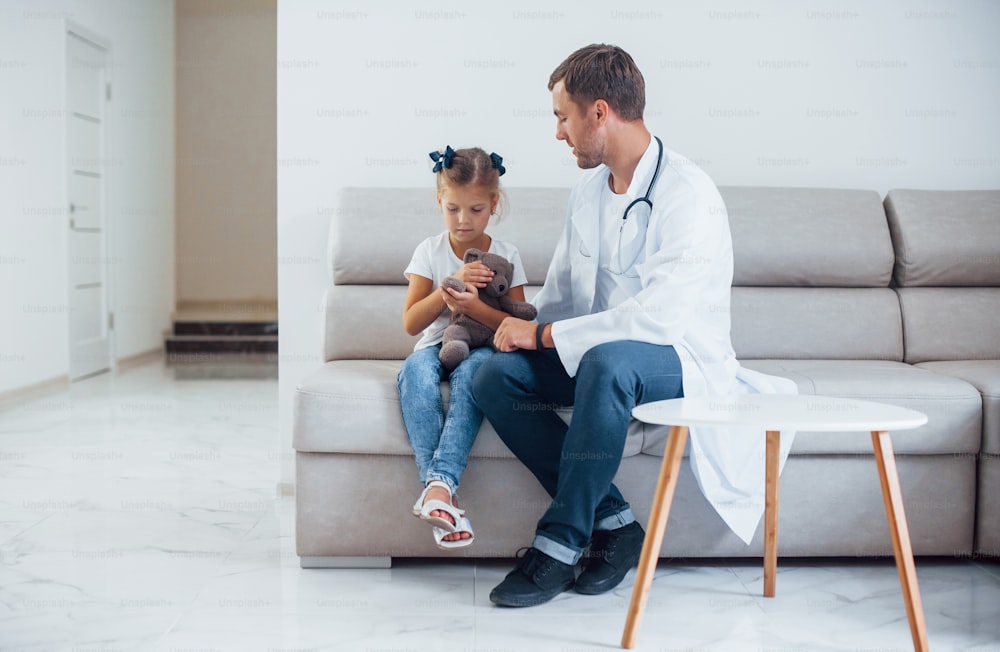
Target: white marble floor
column 138, row 512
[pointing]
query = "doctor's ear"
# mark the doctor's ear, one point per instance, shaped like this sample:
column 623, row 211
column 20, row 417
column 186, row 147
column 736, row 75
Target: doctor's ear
column 600, row 110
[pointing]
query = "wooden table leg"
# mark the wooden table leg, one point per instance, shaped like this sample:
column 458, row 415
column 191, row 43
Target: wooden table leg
column 771, row 512
column 658, row 515
column 893, row 497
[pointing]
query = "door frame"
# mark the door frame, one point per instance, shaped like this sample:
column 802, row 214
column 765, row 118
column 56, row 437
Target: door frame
column 73, row 29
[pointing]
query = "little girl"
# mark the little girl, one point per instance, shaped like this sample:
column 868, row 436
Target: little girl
column 468, row 192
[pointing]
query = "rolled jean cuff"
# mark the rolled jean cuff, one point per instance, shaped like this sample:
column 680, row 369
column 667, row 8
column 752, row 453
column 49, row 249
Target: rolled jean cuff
column 615, row 521
column 452, row 485
column 556, row 550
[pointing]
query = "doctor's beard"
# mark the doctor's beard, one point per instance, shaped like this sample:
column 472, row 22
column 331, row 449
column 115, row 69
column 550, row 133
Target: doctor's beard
column 589, row 154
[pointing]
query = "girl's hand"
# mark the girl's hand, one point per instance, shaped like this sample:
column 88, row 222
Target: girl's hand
column 475, row 273
column 459, row 302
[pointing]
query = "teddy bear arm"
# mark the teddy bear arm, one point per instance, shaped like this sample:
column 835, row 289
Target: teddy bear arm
column 453, row 283
column 519, row 309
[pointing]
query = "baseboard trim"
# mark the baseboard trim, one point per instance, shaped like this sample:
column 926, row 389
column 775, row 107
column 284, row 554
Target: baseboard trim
column 139, row 359
column 345, row 562
column 17, row 397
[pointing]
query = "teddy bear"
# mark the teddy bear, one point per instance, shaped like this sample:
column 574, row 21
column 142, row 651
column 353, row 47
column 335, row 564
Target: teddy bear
column 463, row 332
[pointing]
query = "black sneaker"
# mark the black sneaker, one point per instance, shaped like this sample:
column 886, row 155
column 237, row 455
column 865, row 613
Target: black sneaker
column 612, row 553
column 537, row 578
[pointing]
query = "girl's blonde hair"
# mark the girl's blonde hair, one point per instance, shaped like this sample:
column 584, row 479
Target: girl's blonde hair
column 470, row 166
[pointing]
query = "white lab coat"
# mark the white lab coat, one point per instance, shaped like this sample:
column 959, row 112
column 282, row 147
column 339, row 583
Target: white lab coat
column 681, row 298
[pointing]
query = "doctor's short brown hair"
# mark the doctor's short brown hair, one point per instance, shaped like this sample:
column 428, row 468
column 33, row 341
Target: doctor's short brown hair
column 603, row 72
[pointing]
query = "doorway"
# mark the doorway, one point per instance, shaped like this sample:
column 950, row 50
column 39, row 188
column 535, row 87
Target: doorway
column 88, row 91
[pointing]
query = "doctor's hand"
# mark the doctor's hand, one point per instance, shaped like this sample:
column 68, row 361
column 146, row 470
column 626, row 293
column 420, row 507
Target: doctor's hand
column 513, row 334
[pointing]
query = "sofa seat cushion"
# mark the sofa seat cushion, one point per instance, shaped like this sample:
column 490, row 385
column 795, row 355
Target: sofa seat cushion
column 952, row 405
column 352, row 406
column 984, row 375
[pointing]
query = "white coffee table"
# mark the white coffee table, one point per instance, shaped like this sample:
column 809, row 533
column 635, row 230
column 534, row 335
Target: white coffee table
column 774, row 413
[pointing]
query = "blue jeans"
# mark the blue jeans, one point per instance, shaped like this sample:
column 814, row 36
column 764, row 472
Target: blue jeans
column 441, row 441
column 519, row 393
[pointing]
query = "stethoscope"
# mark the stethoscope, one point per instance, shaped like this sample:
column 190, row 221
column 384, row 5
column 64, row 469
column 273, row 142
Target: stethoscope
column 626, row 270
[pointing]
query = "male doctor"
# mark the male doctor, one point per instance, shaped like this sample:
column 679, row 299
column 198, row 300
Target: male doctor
column 635, row 308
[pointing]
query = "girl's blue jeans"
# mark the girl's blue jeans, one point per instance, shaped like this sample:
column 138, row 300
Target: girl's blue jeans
column 441, row 439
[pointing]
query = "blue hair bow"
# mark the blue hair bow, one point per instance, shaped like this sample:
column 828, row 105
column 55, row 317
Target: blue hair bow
column 498, row 163
column 442, row 161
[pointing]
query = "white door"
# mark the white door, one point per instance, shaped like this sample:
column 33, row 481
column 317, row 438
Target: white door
column 87, row 94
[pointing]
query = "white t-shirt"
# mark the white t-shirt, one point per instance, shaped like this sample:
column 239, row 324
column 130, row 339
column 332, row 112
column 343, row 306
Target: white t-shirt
column 618, row 245
column 434, row 259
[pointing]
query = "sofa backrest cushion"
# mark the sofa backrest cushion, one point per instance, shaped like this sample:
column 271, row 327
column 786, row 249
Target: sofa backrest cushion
column 791, row 237
column 945, row 237
column 816, row 323
column 811, row 273
column 374, row 231
column 365, row 322
column 950, row 323
column 781, row 236
column 811, row 268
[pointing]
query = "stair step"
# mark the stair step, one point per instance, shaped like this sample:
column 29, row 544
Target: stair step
column 221, row 344
column 229, row 328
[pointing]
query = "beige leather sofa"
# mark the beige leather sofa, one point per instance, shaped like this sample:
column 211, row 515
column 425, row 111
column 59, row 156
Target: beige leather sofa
column 899, row 304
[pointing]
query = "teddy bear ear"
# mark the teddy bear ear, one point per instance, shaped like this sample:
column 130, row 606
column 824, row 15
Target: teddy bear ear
column 473, row 255
column 495, row 261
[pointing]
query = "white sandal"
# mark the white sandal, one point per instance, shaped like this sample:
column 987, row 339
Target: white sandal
column 463, row 526
column 423, row 510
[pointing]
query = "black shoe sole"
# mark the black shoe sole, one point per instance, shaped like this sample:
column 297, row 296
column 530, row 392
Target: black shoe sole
column 603, row 587
column 529, row 601
column 597, row 588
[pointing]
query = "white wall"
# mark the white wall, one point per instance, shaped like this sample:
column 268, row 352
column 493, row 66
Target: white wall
column 33, row 220
column 900, row 93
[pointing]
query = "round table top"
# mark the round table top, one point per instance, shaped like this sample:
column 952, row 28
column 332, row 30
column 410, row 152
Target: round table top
column 780, row 412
